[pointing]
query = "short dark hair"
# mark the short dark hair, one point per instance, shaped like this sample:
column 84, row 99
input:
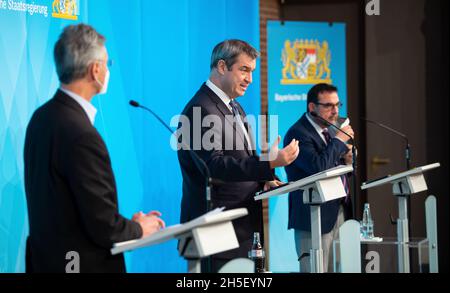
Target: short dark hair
column 315, row 91
column 229, row 50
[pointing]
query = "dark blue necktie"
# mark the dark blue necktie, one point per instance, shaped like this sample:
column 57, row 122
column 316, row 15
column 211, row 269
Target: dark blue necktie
column 234, row 108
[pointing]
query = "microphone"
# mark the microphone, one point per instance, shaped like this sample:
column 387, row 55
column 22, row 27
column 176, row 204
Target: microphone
column 386, row 127
column 398, row 133
column 137, row 105
column 353, row 143
column 199, row 162
column 314, row 114
column 408, row 165
column 134, row 103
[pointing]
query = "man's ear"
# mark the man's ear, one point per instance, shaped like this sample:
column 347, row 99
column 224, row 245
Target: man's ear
column 221, row 67
column 93, row 70
column 311, row 107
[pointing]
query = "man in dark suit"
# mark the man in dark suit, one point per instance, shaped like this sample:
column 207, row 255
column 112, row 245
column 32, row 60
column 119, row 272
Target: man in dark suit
column 225, row 142
column 69, row 183
column 321, row 150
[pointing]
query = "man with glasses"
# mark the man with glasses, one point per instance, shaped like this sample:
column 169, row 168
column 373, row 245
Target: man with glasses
column 321, row 150
column 69, row 183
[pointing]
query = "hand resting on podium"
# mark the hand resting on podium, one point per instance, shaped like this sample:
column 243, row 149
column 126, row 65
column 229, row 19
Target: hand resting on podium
column 150, row 223
column 271, row 185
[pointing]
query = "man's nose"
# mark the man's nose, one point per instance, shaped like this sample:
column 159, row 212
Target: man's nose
column 335, row 110
column 249, row 78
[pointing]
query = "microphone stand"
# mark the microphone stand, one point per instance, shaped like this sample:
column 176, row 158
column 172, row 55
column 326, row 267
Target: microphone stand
column 408, row 167
column 354, row 163
column 201, row 165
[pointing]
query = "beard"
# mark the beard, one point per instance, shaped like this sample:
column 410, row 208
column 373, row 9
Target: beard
column 333, row 119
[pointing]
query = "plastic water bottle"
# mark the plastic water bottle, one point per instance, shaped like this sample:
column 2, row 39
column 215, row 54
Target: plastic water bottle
column 257, row 254
column 367, row 223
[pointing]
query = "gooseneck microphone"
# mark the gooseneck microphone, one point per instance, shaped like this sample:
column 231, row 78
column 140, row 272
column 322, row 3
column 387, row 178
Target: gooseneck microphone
column 408, row 163
column 315, row 115
column 353, row 143
column 398, row 133
column 199, row 162
column 137, row 105
column 408, row 166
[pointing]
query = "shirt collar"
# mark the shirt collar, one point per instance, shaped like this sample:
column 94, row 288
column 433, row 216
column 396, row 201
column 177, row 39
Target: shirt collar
column 316, row 127
column 87, row 107
column 220, row 93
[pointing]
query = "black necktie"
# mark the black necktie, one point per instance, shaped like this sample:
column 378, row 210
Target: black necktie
column 327, row 135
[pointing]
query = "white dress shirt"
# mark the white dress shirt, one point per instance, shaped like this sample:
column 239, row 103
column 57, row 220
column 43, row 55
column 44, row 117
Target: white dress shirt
column 220, row 93
column 316, row 127
column 226, row 100
column 87, row 107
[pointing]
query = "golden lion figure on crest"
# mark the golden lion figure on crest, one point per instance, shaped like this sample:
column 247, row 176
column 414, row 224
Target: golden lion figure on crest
column 289, row 60
column 323, row 60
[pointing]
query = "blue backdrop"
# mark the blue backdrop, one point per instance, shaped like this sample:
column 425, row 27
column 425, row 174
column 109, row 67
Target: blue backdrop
column 296, row 52
column 161, row 51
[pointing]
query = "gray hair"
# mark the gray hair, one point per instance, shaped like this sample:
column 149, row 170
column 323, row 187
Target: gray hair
column 76, row 48
column 229, row 50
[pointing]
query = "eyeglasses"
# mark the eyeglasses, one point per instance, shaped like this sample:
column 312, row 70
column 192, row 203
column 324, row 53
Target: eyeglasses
column 329, row 106
column 108, row 62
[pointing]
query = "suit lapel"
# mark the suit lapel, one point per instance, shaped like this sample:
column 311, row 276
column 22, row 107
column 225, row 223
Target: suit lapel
column 227, row 115
column 318, row 140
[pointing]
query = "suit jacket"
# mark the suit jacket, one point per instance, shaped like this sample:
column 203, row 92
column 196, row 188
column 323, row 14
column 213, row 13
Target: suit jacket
column 240, row 168
column 71, row 192
column 315, row 156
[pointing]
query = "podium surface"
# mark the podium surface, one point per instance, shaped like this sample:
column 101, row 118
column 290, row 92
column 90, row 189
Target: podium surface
column 303, row 183
column 212, row 218
column 412, row 177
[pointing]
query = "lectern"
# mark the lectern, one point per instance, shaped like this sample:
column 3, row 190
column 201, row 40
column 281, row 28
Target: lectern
column 317, row 189
column 403, row 185
column 206, row 235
